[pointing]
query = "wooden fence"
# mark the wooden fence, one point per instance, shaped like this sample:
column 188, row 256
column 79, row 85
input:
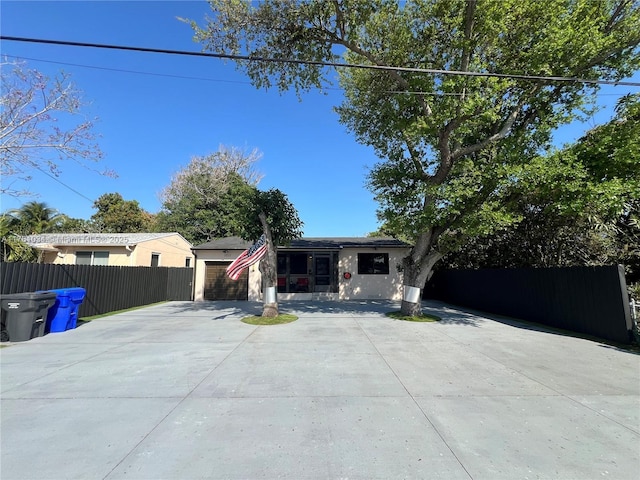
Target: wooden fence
column 590, row 300
column 108, row 288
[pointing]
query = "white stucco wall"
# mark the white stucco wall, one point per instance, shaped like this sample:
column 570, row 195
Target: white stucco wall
column 358, row 287
column 369, row 287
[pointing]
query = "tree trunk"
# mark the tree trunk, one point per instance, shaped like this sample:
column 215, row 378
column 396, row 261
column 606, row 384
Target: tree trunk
column 417, row 269
column 269, row 270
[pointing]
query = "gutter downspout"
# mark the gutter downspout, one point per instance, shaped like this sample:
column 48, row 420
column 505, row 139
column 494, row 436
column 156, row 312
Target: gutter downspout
column 194, row 276
column 129, row 249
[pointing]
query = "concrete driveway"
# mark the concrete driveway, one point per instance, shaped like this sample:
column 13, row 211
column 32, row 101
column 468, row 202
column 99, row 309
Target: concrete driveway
column 186, row 391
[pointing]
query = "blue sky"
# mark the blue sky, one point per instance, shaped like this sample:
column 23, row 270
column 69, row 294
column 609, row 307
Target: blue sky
column 151, row 123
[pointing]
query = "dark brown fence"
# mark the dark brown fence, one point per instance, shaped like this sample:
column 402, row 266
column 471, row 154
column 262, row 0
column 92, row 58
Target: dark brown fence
column 108, row 288
column 590, row 300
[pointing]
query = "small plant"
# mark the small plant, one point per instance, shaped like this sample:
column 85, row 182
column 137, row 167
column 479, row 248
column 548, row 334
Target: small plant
column 419, row 318
column 280, row 319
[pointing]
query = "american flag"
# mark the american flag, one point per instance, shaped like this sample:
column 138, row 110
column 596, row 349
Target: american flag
column 247, row 258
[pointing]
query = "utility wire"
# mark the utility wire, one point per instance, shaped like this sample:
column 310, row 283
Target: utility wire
column 206, row 79
column 121, row 70
column 319, row 63
column 53, row 177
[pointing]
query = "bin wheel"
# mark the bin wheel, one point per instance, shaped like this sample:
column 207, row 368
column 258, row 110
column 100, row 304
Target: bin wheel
column 4, row 336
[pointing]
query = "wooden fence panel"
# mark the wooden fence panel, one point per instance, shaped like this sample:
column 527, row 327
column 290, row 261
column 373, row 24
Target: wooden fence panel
column 108, row 288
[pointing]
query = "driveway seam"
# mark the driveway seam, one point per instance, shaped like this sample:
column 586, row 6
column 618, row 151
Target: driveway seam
column 559, row 393
column 177, row 405
column 355, row 318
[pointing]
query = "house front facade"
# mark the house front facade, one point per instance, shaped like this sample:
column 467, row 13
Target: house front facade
column 115, row 249
column 308, row 269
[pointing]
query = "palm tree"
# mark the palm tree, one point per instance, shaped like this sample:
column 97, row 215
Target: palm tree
column 35, row 217
column 12, row 249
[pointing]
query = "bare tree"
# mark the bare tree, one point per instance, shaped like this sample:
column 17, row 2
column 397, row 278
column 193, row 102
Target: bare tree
column 35, row 112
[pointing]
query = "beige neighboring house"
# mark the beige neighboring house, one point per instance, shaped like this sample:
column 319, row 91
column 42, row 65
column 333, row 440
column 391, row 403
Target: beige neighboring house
column 308, row 269
column 120, row 249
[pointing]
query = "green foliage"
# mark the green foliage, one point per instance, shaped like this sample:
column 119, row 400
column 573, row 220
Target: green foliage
column 282, row 217
column 34, row 217
column 76, row 225
column 210, row 196
column 278, row 320
column 200, row 217
column 414, row 318
column 215, row 196
column 454, row 149
column 14, row 249
column 579, row 206
column 117, row 215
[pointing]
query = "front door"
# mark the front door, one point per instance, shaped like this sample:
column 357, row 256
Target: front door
column 322, row 269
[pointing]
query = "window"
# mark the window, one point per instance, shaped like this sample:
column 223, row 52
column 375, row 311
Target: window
column 83, row 258
column 155, row 259
column 187, row 262
column 100, row 258
column 373, row 263
column 92, row 258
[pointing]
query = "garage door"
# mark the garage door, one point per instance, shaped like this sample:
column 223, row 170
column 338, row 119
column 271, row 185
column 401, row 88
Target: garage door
column 218, row 286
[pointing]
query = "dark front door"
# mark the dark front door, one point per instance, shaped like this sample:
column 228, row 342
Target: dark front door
column 323, row 271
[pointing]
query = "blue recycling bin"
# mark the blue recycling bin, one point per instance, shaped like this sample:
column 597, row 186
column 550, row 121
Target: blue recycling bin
column 63, row 315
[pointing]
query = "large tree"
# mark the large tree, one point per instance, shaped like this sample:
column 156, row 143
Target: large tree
column 41, row 124
column 584, row 210
column 452, row 146
column 205, row 198
column 117, row 215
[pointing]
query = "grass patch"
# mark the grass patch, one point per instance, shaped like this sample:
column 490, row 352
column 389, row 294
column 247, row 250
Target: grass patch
column 408, row 318
column 280, row 319
column 108, row 314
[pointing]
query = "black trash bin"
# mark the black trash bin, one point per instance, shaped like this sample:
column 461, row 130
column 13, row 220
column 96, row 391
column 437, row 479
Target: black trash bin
column 24, row 314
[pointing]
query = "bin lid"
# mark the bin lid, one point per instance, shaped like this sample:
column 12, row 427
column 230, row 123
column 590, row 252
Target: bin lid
column 27, row 297
column 41, row 295
column 76, row 293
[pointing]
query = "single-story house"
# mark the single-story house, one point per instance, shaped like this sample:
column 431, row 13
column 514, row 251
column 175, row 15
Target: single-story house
column 121, row 249
column 308, row 269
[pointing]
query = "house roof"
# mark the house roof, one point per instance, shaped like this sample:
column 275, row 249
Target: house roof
column 88, row 239
column 332, row 243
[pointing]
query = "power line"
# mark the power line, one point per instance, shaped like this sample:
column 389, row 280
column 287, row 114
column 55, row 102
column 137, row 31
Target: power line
column 322, row 64
column 206, row 79
column 121, row 70
column 62, row 183
column 238, row 82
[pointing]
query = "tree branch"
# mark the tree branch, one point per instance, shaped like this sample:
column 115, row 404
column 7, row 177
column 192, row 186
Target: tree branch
column 415, row 158
column 616, row 15
column 340, row 39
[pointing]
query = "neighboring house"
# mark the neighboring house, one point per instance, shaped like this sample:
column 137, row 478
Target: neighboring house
column 308, row 269
column 122, row 249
